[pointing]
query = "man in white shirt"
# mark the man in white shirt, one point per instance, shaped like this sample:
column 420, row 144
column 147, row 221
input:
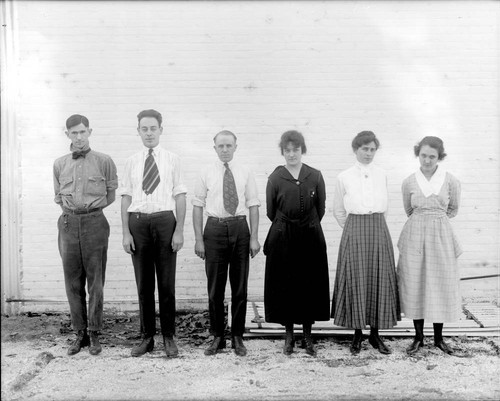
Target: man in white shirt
column 226, row 190
column 151, row 188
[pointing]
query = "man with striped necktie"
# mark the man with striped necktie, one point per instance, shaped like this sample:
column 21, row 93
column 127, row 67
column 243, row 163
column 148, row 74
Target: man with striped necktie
column 151, row 187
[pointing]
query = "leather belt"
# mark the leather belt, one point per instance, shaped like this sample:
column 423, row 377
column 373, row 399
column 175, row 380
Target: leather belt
column 224, row 219
column 82, row 211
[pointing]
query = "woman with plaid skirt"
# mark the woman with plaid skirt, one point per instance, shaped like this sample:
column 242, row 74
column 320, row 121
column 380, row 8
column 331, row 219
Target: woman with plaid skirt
column 366, row 289
column 428, row 273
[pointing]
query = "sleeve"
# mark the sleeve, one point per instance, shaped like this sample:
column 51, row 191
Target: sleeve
column 338, row 202
column 405, row 189
column 110, row 174
column 454, row 204
column 57, row 185
column 251, row 192
column 178, row 184
column 321, row 199
column 270, row 200
column 126, row 187
column 200, row 191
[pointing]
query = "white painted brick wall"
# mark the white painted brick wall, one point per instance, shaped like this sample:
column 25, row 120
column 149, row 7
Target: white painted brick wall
column 329, row 69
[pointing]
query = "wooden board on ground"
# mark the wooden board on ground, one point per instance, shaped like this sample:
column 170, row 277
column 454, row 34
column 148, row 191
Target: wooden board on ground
column 477, row 320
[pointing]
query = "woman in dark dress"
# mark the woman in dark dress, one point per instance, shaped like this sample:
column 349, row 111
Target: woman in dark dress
column 296, row 280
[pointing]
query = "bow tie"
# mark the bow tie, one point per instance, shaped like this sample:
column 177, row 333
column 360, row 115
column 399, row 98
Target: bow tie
column 80, row 153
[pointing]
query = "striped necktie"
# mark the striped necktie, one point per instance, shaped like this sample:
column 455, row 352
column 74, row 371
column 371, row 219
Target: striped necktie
column 229, row 192
column 151, row 177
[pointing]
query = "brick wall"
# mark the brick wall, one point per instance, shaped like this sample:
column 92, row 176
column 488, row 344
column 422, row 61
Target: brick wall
column 328, row 69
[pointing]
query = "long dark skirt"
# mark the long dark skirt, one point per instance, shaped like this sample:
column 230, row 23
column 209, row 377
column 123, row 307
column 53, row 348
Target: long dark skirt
column 296, row 288
column 366, row 289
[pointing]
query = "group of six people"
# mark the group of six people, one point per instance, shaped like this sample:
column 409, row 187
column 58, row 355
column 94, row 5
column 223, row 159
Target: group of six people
column 369, row 290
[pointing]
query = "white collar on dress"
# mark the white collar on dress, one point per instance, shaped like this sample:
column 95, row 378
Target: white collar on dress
column 432, row 186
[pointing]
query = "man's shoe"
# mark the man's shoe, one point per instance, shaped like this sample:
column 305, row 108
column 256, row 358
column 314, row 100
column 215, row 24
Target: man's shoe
column 414, row 347
column 444, row 347
column 146, row 345
column 378, row 344
column 82, row 340
column 171, row 349
column 217, row 344
column 237, row 344
column 95, row 347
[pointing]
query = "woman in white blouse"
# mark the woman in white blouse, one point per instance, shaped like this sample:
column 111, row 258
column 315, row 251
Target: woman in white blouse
column 427, row 268
column 366, row 290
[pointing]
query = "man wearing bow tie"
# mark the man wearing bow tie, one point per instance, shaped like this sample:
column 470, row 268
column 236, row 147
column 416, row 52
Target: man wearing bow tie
column 152, row 189
column 85, row 182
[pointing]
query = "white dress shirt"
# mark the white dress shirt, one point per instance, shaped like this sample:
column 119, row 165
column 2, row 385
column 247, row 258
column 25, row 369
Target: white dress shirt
column 208, row 189
column 361, row 189
column 171, row 184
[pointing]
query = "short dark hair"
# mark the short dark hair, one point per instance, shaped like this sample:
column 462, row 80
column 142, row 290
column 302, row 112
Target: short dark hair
column 364, row 138
column 225, row 132
column 296, row 138
column 150, row 113
column 432, row 141
column 76, row 119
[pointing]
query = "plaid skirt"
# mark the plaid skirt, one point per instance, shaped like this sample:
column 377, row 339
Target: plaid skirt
column 366, row 288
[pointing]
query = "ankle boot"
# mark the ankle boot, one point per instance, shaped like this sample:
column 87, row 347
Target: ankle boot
column 377, row 342
column 356, row 341
column 418, row 341
column 289, row 340
column 438, row 339
column 82, row 340
column 95, row 346
column 309, row 345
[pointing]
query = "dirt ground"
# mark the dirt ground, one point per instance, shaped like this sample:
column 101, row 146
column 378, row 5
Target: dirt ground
column 35, row 367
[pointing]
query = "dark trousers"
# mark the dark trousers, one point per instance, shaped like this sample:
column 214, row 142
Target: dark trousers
column 227, row 244
column 152, row 235
column 83, row 246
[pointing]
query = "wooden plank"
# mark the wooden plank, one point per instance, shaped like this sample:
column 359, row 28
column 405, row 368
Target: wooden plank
column 485, row 314
column 332, row 333
column 466, row 326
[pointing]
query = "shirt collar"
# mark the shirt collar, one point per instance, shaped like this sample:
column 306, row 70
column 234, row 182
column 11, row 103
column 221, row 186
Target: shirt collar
column 230, row 164
column 364, row 167
column 432, row 186
column 156, row 150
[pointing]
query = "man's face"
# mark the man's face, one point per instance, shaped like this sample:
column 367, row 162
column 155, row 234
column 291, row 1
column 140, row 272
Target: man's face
column 225, row 146
column 79, row 136
column 149, row 131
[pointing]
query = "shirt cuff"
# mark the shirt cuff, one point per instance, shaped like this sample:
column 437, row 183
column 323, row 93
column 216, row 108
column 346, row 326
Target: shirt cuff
column 111, row 185
column 198, row 202
column 252, row 202
column 180, row 189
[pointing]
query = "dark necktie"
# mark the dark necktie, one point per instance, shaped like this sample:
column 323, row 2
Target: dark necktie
column 229, row 192
column 151, row 176
column 80, row 153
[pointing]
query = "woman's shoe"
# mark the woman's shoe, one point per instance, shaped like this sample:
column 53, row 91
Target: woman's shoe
column 444, row 347
column 415, row 346
column 289, row 342
column 377, row 343
column 356, row 343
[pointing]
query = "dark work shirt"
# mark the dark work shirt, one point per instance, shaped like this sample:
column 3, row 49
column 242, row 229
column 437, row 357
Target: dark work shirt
column 83, row 183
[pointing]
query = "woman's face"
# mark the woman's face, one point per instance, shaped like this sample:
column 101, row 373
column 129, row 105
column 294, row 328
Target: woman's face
column 292, row 154
column 366, row 153
column 428, row 158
